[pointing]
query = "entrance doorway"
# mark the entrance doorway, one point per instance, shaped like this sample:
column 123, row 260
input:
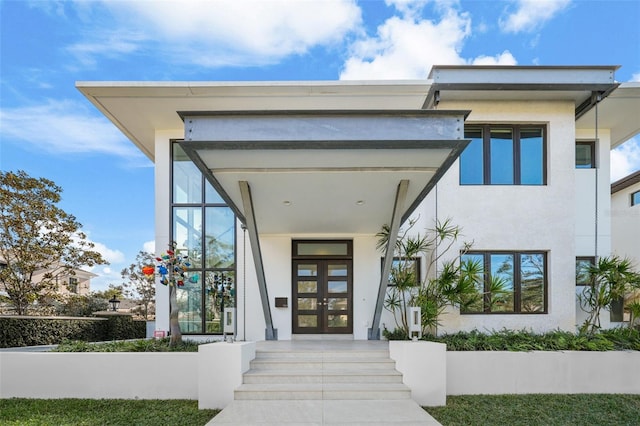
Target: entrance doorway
column 322, row 287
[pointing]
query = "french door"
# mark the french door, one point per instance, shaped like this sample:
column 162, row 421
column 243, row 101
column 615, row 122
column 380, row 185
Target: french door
column 322, row 295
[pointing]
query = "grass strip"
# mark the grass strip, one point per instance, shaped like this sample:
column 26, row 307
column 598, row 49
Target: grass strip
column 543, row 409
column 95, row 412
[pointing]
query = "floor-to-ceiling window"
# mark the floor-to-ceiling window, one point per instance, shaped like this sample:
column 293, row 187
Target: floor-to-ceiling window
column 203, row 228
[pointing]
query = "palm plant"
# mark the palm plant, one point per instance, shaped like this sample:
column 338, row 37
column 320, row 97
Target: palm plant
column 455, row 284
column 610, row 279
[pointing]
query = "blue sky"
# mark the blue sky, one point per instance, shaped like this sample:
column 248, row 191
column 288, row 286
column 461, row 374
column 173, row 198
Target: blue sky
column 49, row 129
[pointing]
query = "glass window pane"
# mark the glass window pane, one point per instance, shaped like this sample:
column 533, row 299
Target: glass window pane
column 189, row 303
column 337, row 270
column 337, row 321
column 584, row 155
column 472, row 266
column 187, row 179
column 337, row 303
column 307, row 287
column 337, row 286
column 323, row 249
column 501, row 156
column 635, row 198
column 501, row 285
column 220, row 239
column 220, row 294
column 187, row 233
column 307, row 303
column 531, row 157
column 582, row 270
column 211, row 196
column 308, row 270
column 307, row 321
column 532, row 282
column 472, row 159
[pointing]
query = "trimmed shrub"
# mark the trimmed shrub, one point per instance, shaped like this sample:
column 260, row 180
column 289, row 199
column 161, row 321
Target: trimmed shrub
column 523, row 341
column 17, row 331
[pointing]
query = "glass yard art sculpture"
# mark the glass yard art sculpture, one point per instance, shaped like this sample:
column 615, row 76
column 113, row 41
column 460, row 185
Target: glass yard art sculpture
column 172, row 270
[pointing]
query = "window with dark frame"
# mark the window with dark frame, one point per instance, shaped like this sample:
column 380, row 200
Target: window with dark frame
column 73, row 285
column 635, row 198
column 504, row 155
column 204, row 229
column 410, row 266
column 585, row 154
column 583, row 263
column 512, row 282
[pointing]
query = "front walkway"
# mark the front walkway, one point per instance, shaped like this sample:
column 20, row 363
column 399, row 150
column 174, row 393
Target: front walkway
column 311, row 382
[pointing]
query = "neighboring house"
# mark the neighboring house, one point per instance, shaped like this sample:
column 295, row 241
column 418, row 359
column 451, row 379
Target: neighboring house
column 625, row 221
column 275, row 190
column 625, row 217
column 67, row 284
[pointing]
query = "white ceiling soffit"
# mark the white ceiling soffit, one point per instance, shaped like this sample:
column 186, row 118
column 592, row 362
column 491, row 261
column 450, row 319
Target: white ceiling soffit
column 324, row 172
column 619, row 112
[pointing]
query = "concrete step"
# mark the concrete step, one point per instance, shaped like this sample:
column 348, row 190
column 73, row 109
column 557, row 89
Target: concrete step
column 324, row 391
column 327, row 363
column 327, row 376
column 269, row 354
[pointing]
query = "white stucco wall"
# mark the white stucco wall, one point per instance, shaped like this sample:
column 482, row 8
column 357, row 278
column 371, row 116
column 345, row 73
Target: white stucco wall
column 163, row 214
column 518, row 218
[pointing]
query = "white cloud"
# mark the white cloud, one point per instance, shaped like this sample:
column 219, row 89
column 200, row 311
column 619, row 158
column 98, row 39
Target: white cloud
column 110, row 44
column 505, row 58
column 635, row 77
column 62, row 127
column 531, row 15
column 625, row 159
column 110, row 255
column 224, row 32
column 407, row 46
column 149, row 247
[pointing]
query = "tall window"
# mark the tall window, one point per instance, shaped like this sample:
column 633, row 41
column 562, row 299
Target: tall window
column 512, row 282
column 204, row 230
column 635, row 198
column 504, row 155
column 585, row 154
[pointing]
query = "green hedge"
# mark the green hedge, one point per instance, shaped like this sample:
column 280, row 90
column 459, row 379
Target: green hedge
column 34, row 331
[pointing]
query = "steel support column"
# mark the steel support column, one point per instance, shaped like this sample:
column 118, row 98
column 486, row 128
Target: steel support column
column 250, row 221
column 394, row 229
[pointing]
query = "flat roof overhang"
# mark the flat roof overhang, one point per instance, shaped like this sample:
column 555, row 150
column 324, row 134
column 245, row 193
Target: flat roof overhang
column 319, row 172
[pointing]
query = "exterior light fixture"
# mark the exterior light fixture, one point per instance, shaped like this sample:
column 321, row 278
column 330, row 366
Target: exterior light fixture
column 114, row 303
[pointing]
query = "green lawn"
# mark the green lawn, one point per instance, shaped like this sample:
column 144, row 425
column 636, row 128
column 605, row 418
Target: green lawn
column 91, row 412
column 511, row 410
column 485, row 410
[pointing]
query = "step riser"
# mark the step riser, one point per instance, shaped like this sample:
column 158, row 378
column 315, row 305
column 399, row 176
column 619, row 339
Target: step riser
column 322, row 355
column 321, row 366
column 266, row 379
column 319, row 395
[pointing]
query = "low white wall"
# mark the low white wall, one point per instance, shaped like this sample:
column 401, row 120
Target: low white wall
column 470, row 373
column 220, row 370
column 99, row 375
column 423, row 366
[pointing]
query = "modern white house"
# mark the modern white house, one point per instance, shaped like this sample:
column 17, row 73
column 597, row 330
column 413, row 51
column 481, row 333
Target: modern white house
column 276, row 190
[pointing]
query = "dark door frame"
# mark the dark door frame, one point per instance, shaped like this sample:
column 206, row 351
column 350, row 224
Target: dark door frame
column 322, row 295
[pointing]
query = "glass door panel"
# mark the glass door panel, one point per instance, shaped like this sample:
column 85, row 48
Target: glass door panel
column 322, row 296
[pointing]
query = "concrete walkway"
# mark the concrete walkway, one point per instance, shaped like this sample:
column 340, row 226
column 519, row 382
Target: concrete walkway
column 309, row 382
